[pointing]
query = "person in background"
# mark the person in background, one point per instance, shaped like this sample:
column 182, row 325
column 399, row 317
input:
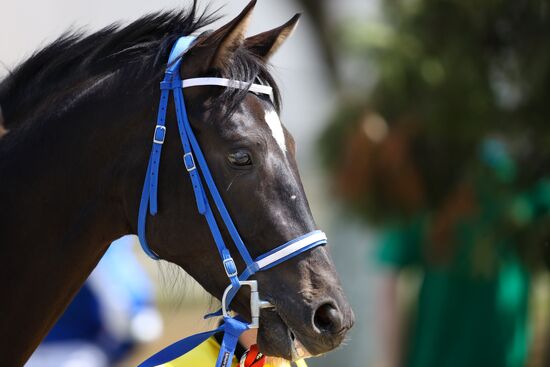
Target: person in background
column 455, row 235
column 472, row 305
column 473, row 297
column 112, row 312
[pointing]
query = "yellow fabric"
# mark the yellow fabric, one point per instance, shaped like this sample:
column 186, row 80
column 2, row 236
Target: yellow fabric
column 205, row 355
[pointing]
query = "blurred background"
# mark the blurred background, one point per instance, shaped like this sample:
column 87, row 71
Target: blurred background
column 424, row 147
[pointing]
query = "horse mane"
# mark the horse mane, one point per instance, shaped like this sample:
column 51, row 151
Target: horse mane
column 77, row 61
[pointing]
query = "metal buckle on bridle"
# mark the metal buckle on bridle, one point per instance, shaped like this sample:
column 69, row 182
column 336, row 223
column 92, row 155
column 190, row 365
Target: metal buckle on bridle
column 189, row 162
column 159, row 135
column 255, row 302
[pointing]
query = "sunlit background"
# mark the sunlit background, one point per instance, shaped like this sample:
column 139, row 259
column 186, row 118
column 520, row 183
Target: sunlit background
column 423, row 144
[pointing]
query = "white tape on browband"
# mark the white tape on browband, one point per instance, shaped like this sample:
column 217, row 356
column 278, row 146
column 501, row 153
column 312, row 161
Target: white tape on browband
column 229, row 83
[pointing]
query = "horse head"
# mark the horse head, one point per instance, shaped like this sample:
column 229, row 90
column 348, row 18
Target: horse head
column 252, row 157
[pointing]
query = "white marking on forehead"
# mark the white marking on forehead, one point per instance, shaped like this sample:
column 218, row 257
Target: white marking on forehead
column 274, row 123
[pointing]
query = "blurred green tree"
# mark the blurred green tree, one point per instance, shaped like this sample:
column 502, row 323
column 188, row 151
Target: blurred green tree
column 461, row 96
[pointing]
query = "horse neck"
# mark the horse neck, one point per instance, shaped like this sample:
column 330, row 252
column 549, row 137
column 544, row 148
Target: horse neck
column 60, row 189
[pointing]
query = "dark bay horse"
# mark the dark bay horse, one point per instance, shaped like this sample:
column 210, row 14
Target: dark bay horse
column 79, row 117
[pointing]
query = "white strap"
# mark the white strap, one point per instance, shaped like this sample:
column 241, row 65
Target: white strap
column 224, row 82
column 292, row 248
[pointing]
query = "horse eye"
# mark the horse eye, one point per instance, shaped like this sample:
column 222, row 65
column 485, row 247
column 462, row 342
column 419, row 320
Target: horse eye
column 240, row 159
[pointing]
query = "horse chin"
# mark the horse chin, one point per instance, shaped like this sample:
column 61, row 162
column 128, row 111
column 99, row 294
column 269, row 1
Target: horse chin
column 277, row 339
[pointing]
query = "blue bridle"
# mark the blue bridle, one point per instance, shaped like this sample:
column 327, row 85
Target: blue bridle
column 232, row 326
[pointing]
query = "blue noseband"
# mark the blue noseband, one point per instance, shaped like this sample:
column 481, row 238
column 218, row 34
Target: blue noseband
column 196, row 166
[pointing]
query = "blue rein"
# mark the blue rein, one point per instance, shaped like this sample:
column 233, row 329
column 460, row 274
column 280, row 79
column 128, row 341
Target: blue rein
column 196, row 165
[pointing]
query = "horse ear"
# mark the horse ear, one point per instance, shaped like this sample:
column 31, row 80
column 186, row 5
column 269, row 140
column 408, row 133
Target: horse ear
column 267, row 43
column 228, row 38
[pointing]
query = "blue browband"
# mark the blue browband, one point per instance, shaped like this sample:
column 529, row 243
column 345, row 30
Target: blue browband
column 196, row 166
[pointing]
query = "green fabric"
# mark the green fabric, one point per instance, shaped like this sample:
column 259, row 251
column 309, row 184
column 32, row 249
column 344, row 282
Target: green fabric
column 472, row 310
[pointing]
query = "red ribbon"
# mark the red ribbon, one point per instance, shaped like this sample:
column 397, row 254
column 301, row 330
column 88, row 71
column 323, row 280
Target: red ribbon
column 252, row 358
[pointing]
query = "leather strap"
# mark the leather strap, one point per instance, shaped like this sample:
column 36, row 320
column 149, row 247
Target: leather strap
column 228, row 83
column 232, row 329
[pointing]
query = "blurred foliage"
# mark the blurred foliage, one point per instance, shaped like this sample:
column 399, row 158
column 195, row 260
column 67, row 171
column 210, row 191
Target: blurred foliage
column 460, row 97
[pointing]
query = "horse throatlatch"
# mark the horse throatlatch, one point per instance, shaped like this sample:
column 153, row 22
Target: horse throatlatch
column 199, row 173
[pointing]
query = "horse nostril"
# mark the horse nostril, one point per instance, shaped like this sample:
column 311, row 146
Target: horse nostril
column 328, row 319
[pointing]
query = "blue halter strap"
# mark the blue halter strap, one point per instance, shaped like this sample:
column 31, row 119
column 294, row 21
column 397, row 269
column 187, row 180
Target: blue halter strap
column 196, row 165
